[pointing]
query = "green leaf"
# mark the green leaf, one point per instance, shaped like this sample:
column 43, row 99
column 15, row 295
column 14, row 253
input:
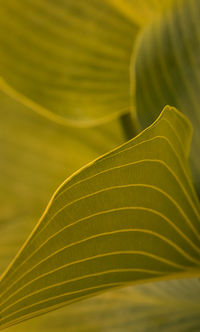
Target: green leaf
column 131, row 216
column 68, row 60
column 143, row 11
column 167, row 68
column 36, row 156
column 162, row 306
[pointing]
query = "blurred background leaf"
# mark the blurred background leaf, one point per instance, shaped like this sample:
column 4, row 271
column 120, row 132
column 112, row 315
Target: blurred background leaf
column 70, row 57
column 143, row 11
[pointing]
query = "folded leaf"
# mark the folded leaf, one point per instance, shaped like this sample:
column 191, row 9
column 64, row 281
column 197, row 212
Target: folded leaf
column 66, row 59
column 131, row 216
column 167, row 68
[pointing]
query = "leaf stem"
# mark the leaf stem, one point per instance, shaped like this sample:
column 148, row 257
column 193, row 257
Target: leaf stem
column 129, row 125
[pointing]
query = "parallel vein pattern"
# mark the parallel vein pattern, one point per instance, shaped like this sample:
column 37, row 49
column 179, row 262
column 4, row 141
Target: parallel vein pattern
column 36, row 156
column 70, row 58
column 130, row 216
column 162, row 306
column 167, row 69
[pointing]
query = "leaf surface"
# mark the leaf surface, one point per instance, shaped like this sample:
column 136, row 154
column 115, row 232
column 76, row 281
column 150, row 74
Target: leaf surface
column 167, row 68
column 131, row 216
column 36, row 156
column 172, row 305
column 68, row 60
column 143, row 11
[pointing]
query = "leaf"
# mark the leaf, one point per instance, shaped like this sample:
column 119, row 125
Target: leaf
column 36, row 155
column 68, row 60
column 172, row 305
column 131, row 216
column 167, row 68
column 143, row 11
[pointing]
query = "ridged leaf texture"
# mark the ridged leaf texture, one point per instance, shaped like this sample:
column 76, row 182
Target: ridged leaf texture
column 36, row 156
column 167, row 67
column 129, row 217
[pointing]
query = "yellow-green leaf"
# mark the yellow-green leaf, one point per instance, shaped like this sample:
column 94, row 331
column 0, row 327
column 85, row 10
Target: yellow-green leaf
column 68, row 60
column 172, row 305
column 167, row 70
column 36, row 156
column 131, row 216
column 143, row 11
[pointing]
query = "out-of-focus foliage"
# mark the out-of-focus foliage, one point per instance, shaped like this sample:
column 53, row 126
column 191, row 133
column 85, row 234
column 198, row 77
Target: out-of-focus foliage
column 144, row 11
column 70, row 57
